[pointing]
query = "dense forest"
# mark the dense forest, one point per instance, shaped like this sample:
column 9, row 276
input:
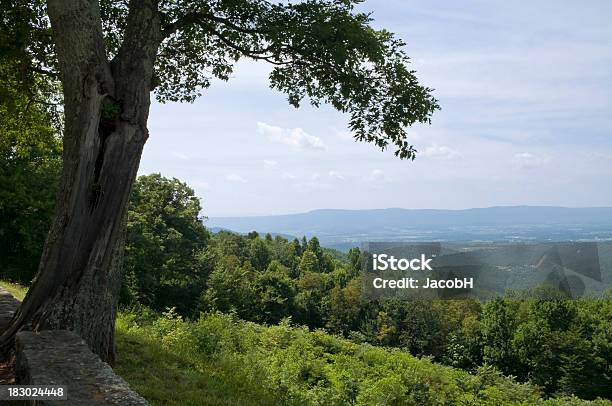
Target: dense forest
column 174, row 265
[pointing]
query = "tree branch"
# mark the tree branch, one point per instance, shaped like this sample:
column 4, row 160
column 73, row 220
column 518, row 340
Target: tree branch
column 254, row 54
column 198, row 17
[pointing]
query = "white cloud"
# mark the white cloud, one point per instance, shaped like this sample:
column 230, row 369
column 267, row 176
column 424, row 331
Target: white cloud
column 288, row 175
column 268, row 163
column 335, row 175
column 377, row 176
column 440, row 152
column 293, row 137
column 601, row 156
column 235, row 178
column 528, row 160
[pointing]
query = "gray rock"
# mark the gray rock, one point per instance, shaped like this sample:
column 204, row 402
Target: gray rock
column 8, row 306
column 60, row 357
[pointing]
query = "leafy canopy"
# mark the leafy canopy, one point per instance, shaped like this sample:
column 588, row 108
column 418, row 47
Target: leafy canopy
column 165, row 235
column 324, row 51
column 30, row 148
column 27, row 60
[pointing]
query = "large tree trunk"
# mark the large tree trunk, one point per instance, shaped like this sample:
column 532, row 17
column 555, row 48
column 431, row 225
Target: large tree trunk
column 106, row 108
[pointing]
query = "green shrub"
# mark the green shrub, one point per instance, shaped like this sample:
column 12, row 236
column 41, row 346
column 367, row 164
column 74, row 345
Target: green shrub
column 241, row 362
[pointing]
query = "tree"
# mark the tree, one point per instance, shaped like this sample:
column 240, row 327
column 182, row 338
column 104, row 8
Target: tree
column 28, row 183
column 311, row 289
column 417, row 326
column 30, row 148
column 275, row 291
column 259, row 254
column 110, row 55
column 498, row 328
column 345, row 305
column 30, row 162
column 230, row 288
column 286, row 253
column 309, row 263
column 227, row 244
column 165, row 234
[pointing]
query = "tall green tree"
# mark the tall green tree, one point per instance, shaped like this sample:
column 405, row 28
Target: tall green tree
column 111, row 55
column 275, row 291
column 165, row 236
column 309, row 263
column 259, row 254
column 230, row 288
column 30, row 146
column 28, row 184
column 499, row 323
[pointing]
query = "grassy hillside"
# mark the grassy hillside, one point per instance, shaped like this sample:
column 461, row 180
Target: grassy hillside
column 220, row 360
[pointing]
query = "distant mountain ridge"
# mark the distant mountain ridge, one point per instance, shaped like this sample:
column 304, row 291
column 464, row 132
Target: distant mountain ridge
column 337, row 226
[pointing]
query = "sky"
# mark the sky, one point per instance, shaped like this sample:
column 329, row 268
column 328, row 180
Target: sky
column 526, row 94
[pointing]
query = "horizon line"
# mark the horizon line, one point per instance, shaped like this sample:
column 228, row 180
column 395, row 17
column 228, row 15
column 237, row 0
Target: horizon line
column 408, row 209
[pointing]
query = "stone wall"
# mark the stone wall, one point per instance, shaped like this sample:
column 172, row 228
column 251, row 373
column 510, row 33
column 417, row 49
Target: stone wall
column 8, row 305
column 60, row 357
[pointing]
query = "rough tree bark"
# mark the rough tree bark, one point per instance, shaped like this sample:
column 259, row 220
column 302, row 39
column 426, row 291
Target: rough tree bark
column 106, row 110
